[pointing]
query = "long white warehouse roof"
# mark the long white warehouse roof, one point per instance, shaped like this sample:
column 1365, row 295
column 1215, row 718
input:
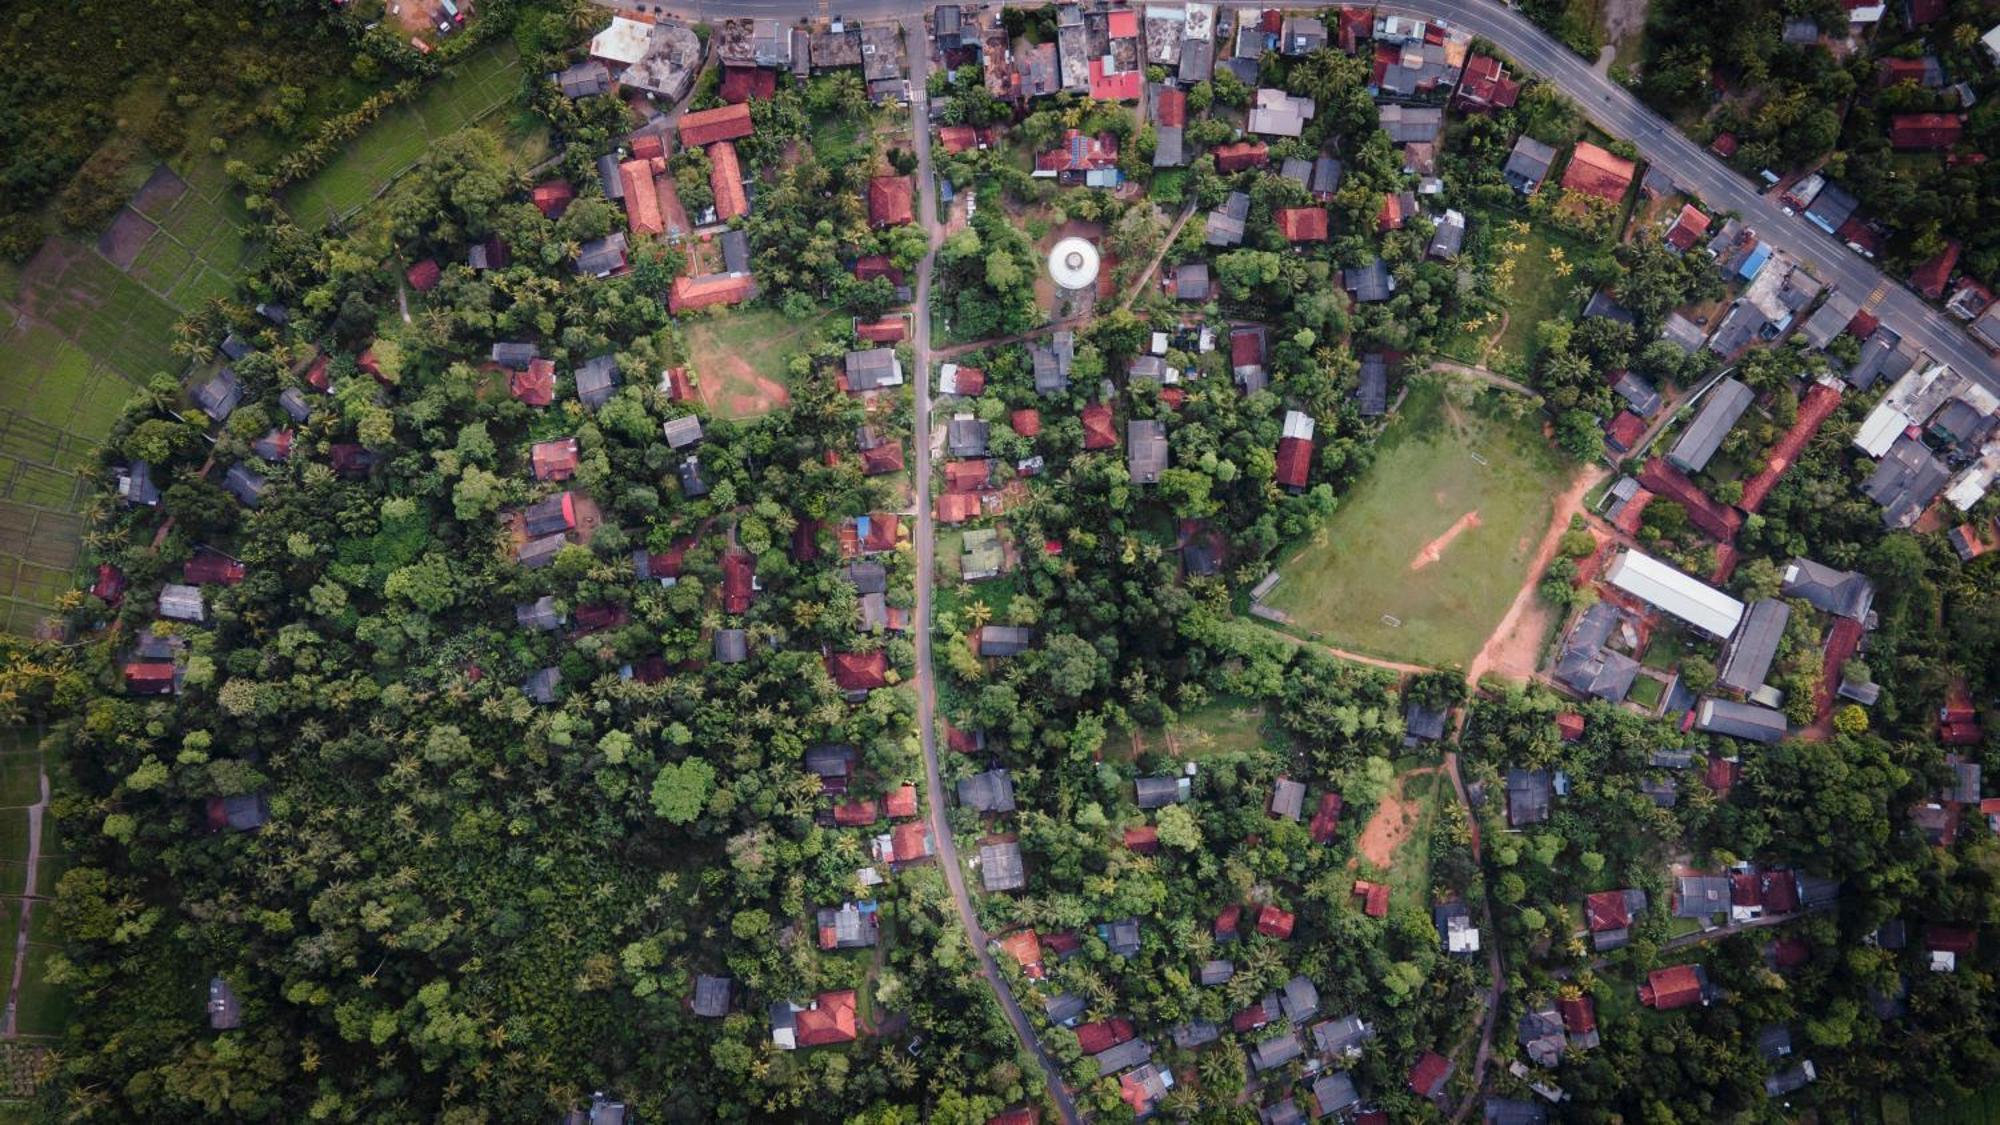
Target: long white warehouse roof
column 1697, row 603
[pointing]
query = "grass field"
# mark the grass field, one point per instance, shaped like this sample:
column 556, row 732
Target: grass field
column 42, row 1007
column 1357, row 570
column 1410, row 875
column 1538, row 286
column 1223, row 726
column 482, row 83
column 738, row 359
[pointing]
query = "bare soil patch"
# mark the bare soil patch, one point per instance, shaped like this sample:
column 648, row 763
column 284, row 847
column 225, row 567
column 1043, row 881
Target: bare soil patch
column 731, row 388
column 125, row 237
column 159, row 193
column 1515, row 648
column 1395, row 818
column 1434, row 550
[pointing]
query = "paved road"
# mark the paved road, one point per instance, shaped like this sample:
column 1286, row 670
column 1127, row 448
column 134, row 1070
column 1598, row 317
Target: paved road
column 926, row 542
column 1618, row 113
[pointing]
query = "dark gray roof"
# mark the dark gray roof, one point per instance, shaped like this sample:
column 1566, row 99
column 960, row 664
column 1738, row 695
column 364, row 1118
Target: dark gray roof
column 735, row 252
column 871, row 368
column 294, row 403
column 245, row 811
column 224, row 1011
column 1905, row 482
column 966, row 437
column 1341, row 1036
column 1288, row 798
column 1746, row 659
column 732, row 646
column 1335, row 1092
column 828, row 760
column 1296, row 168
column 1191, row 281
column 1299, row 1000
column 868, row 577
column 1528, row 164
column 1703, row 436
column 1370, row 282
column 1529, row 793
column 1216, row 972
column 1325, row 175
column 245, row 485
column 1195, row 1033
column 1122, row 1056
column 235, row 347
column 1514, row 1111
column 1410, row 124
column 1000, row 867
column 682, row 431
column 1448, row 236
column 538, row 553
column 1156, row 792
column 1774, row 1042
column 1277, row 1051
column 1882, row 355
column 135, row 485
column 595, row 379
column 1145, row 450
column 1637, row 393
column 515, row 355
column 1426, row 723
column 1843, row 593
column 1790, row 1080
column 546, row 516
column 601, row 256
column 1122, row 936
column 1739, row 720
column 608, row 179
column 541, row 687
column 1005, row 640
column 218, row 396
column 694, row 485
column 1699, row 896
column 1541, row 1033
column 711, row 996
column 1685, row 333
column 1603, row 304
column 584, row 79
column 1586, row 666
column 275, row 313
column 1225, row 223
column 1063, row 1007
column 989, row 792
column 539, row 614
column 1372, row 395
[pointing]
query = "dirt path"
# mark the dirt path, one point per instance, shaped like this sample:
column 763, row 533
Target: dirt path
column 1482, row 375
column 1493, row 341
column 1434, row 550
column 1514, row 648
column 1139, row 283
column 29, row 891
column 1395, row 666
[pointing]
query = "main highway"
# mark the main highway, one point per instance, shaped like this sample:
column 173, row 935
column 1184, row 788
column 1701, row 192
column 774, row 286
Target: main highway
column 1609, row 106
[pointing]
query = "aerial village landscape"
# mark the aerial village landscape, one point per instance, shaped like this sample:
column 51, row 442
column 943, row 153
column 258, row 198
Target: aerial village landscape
column 1011, row 564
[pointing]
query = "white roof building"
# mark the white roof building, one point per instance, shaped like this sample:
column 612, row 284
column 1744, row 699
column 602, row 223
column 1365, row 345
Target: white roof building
column 1298, row 425
column 624, row 42
column 1697, row 603
column 1913, row 399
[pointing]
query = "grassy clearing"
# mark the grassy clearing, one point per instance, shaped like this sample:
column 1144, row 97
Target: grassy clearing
column 1533, row 277
column 739, row 358
column 1646, row 692
column 486, row 80
column 1222, row 726
column 1410, row 875
column 1357, row 569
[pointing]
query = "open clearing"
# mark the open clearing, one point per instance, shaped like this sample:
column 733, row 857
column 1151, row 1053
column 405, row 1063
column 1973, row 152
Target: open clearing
column 738, row 359
column 1538, row 285
column 1396, row 842
column 485, row 81
column 1356, row 571
column 1225, row 726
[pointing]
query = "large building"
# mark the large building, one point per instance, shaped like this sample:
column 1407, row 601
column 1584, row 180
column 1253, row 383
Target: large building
column 1661, row 586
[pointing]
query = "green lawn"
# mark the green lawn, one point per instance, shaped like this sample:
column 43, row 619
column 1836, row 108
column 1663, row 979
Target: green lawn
column 1353, row 582
column 1410, row 875
column 1646, row 692
column 1537, row 285
column 482, row 83
column 1224, row 726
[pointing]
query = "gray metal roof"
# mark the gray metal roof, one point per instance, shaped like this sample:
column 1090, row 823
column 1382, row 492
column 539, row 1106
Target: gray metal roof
column 1739, row 720
column 1276, row 1052
column 1719, row 413
column 1746, row 659
column 595, row 379
column 1146, row 449
column 1000, row 867
column 1529, row 794
column 711, row 996
column 989, row 792
column 1843, row 593
column 1288, row 798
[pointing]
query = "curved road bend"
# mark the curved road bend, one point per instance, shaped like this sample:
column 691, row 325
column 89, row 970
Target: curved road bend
column 947, row 849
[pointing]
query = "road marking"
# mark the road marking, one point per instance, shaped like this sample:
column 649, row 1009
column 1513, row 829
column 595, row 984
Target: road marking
column 1881, row 290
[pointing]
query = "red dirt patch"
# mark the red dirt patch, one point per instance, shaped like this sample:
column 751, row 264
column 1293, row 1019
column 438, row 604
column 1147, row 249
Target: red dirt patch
column 1514, row 649
column 159, row 193
column 122, row 240
column 1434, row 550
column 1395, row 818
column 731, row 388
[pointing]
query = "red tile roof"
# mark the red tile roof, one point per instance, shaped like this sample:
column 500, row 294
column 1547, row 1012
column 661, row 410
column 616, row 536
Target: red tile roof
column 1721, row 775
column 1274, row 923
column 1303, row 224
column 884, row 529
column 1294, row 461
column 1717, row 521
column 1724, row 145
column 1026, row 423
column 830, row 1020
column 1570, row 725
column 708, row 126
column 1251, row 1018
column 1098, row 429
column 887, row 330
column 1391, row 216
column 1594, row 171
column 1374, row 898
column 1019, row 1115
column 646, row 146
column 1226, row 922
column 858, row 671
column 876, row 265
column 554, row 460
column 1103, row 1035
column 957, row 507
column 958, row 138
column 110, row 584
column 1688, row 228
column 1122, row 24
column 1579, row 1015
column 1240, row 155
column 1122, row 86
column 710, row 289
column 909, row 841
column 1486, row 85
column 149, row 679
column 901, row 802
column 552, row 198
column 315, row 375
column 1171, row 109
column 1623, row 432
column 738, row 581
column 1930, row 277
column 1925, row 130
column 971, row 380
column 1026, row 949
column 208, row 568
column 1667, row 989
column 889, row 201
column 1427, row 1077
column 744, row 83
column 642, row 199
column 1078, row 153
column 1606, row 911
column 857, row 813
column 1779, row 891
column 725, row 181
column 884, row 458
column 537, row 385
column 423, row 277
column 961, row 741
column 1246, row 347
column 1819, row 404
column 1951, row 939
column 1326, row 818
column 1145, row 839
column 679, row 389
column 968, row 476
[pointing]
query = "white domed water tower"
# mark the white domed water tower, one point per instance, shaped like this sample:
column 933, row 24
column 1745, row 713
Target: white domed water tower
column 1073, row 264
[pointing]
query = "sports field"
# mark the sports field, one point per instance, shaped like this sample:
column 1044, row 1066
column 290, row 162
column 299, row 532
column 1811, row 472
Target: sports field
column 1423, row 557
column 739, row 359
column 484, row 82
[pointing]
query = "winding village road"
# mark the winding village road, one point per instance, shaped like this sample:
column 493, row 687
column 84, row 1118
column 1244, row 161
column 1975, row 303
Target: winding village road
column 926, row 544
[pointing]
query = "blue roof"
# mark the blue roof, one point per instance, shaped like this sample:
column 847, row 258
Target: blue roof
column 1753, row 264
column 861, row 525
